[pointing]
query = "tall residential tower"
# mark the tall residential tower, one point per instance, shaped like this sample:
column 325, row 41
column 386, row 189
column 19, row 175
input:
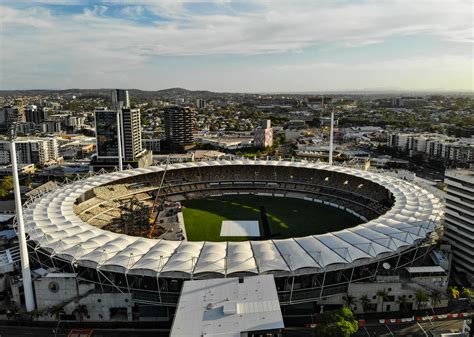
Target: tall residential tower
column 179, row 126
column 120, row 96
column 106, row 134
column 459, row 219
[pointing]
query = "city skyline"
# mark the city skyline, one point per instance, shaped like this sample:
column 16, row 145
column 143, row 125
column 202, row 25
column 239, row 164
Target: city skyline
column 244, row 46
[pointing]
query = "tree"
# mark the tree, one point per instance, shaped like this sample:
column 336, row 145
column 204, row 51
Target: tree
column 339, row 323
column 349, row 300
column 364, row 301
column 420, row 297
column 57, row 310
column 383, row 294
column 7, row 183
column 6, row 186
column 453, row 291
column 468, row 293
column 435, row 297
column 80, row 311
column 14, row 312
column 402, row 302
column 36, row 314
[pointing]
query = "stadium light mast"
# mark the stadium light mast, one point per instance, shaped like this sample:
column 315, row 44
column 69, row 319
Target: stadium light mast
column 25, row 261
column 331, row 137
column 118, row 108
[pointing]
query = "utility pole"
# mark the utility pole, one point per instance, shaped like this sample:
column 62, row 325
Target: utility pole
column 25, row 262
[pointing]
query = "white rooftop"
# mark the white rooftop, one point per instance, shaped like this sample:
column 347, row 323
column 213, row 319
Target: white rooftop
column 226, row 307
column 426, row 269
column 240, row 228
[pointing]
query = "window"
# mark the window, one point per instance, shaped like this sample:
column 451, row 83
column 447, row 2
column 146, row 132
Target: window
column 53, row 287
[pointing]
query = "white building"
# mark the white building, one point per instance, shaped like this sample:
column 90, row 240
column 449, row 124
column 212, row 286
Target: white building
column 459, row 218
column 200, row 103
column 75, row 122
column 228, row 307
column 31, row 151
column 50, row 126
column 434, row 145
column 263, row 135
column 409, row 101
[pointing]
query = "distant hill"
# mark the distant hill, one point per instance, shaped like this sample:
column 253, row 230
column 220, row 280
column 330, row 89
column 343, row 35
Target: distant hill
column 165, row 93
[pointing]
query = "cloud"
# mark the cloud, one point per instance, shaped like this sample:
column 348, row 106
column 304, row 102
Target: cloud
column 33, row 17
column 105, row 38
column 95, row 11
column 133, row 11
column 275, row 27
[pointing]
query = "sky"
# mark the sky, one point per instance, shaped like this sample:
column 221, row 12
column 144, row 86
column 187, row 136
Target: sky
column 238, row 46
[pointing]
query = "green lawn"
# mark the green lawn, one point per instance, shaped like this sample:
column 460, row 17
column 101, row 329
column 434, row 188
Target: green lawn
column 287, row 217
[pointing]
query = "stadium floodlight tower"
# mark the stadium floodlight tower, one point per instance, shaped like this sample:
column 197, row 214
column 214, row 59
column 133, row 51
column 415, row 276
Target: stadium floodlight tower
column 118, row 108
column 331, row 137
column 25, row 262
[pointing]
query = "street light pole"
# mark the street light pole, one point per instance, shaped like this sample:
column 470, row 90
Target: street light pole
column 25, row 262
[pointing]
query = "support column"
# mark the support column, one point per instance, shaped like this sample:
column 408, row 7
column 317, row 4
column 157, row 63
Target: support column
column 25, row 262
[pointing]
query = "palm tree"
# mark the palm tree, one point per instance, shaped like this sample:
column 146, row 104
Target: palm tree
column 383, row 294
column 402, row 302
column 364, row 300
column 421, row 297
column 81, row 311
column 14, row 312
column 467, row 292
column 349, row 300
column 453, row 291
column 35, row 314
column 435, row 297
column 57, row 310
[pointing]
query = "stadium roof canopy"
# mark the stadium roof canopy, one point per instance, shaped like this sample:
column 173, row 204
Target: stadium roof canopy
column 54, row 227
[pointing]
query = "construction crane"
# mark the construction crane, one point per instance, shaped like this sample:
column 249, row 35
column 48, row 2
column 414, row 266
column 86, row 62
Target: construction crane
column 158, row 203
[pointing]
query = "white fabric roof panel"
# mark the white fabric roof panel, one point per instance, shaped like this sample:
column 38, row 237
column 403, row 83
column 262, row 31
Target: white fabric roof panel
column 240, row 258
column 268, row 257
column 346, row 250
column 367, row 246
column 52, row 223
column 153, row 261
column 295, row 256
column 322, row 254
column 184, row 258
column 127, row 257
column 212, row 258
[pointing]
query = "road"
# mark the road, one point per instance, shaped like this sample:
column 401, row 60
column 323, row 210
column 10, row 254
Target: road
column 407, row 330
column 15, row 331
column 411, row 329
column 403, row 330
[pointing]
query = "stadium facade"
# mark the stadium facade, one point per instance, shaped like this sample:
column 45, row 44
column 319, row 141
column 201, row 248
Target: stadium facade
column 399, row 222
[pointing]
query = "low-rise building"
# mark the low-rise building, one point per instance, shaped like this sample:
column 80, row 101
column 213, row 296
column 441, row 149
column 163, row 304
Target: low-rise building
column 432, row 145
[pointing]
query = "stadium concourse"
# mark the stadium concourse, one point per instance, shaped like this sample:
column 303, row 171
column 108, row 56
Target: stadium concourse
column 398, row 217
